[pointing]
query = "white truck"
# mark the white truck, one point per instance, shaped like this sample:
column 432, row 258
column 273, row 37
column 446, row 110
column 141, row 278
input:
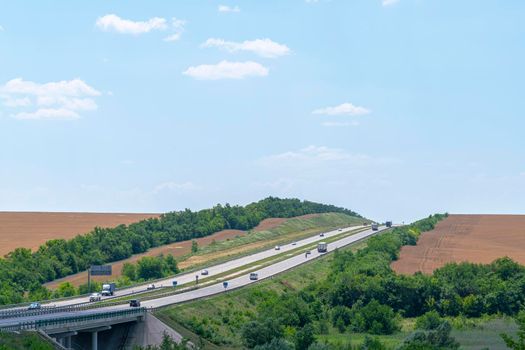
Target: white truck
column 108, row 289
column 322, row 247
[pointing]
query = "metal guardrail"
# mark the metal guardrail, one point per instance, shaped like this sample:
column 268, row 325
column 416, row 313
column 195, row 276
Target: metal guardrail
column 54, row 310
column 74, row 321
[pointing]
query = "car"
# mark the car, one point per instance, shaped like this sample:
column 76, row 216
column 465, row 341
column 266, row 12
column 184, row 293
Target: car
column 150, row 286
column 34, row 306
column 134, row 303
column 254, row 276
column 340, row 230
column 204, row 272
column 321, row 235
column 277, row 247
column 294, row 243
column 95, row 297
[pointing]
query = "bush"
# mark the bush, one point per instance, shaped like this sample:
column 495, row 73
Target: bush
column 428, row 321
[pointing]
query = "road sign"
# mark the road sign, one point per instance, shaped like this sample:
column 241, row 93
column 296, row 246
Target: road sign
column 101, row 270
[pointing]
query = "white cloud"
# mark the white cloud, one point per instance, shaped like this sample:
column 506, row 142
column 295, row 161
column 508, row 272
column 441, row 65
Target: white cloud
column 340, row 124
column 228, row 9
column 227, row 70
column 9, row 101
column 115, row 23
column 389, row 2
column 261, row 47
column 178, row 28
column 342, row 109
column 317, row 157
column 54, row 100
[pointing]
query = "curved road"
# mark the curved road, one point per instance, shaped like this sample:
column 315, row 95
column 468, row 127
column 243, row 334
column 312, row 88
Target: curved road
column 238, row 282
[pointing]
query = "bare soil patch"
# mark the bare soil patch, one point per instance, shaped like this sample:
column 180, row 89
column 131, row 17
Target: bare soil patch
column 472, row 238
column 32, row 229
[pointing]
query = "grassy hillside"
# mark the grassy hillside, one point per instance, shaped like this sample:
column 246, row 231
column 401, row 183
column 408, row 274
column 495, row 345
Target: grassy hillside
column 24, row 341
column 220, row 318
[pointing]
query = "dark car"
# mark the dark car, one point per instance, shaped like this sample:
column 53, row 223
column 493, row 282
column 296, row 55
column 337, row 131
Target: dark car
column 134, row 303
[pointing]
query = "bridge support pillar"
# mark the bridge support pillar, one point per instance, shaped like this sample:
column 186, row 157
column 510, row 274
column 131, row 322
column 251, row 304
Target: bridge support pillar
column 94, row 341
column 67, row 342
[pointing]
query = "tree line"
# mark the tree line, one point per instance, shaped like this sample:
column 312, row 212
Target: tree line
column 23, row 271
column 363, row 294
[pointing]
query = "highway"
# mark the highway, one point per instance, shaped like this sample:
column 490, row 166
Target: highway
column 189, row 277
column 234, row 283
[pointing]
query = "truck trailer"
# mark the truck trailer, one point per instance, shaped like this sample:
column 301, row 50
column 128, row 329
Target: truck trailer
column 388, row 224
column 108, row 289
column 322, row 247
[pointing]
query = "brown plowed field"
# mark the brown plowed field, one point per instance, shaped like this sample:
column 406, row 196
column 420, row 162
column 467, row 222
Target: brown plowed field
column 473, row 238
column 32, row 229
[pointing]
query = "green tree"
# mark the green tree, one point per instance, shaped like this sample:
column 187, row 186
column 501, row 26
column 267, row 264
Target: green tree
column 304, row 337
column 428, row 321
column 66, row 289
column 130, row 271
column 518, row 344
column 261, row 332
column 194, row 246
column 149, row 267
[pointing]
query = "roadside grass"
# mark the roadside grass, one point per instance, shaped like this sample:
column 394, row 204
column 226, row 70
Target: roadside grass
column 219, row 318
column 203, row 282
column 254, row 241
column 23, row 340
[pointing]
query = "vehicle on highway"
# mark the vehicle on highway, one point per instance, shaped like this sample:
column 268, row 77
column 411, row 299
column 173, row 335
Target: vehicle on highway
column 34, row 306
column 150, row 286
column 340, row 230
column 277, row 247
column 322, row 247
column 108, row 289
column 134, row 303
column 254, row 276
column 321, row 235
column 95, row 297
column 204, row 272
column 294, row 243
column 388, row 224
column 375, row 227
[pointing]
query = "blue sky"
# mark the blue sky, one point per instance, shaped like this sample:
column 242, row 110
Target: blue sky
column 396, row 109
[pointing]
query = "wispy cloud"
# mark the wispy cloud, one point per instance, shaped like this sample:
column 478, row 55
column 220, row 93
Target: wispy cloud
column 62, row 100
column 227, row 70
column 114, row 23
column 342, row 109
column 228, row 9
column 389, row 2
column 262, row 47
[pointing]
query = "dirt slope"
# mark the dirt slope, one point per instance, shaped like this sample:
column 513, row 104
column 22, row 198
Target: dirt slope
column 474, row 238
column 32, row 229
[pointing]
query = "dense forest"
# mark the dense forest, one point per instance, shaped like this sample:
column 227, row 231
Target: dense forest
column 24, row 271
column 362, row 294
